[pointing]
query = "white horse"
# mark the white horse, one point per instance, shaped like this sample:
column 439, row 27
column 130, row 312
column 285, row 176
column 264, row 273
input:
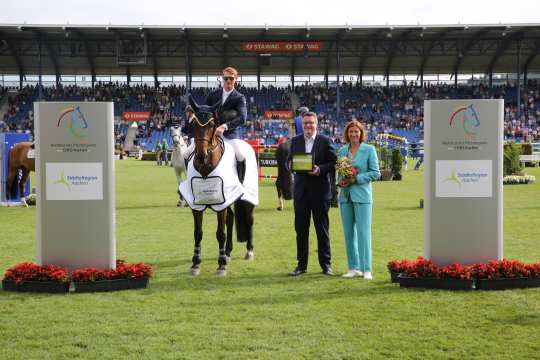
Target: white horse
column 179, row 149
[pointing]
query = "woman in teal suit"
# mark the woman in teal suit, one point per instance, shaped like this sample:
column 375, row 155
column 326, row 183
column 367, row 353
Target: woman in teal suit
column 355, row 199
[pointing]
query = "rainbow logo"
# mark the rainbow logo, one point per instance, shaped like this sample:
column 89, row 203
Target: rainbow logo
column 75, row 121
column 469, row 119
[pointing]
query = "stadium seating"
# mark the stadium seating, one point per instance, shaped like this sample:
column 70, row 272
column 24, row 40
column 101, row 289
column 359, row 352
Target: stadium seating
column 397, row 109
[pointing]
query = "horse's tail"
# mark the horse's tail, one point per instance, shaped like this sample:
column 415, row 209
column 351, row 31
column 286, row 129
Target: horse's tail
column 243, row 213
column 11, row 190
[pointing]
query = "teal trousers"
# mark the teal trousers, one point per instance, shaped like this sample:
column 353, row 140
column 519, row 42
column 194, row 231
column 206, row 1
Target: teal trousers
column 356, row 220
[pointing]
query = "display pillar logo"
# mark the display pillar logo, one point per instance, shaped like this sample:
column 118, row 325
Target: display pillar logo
column 453, row 178
column 469, row 119
column 463, row 178
column 74, row 120
column 74, row 181
column 62, row 181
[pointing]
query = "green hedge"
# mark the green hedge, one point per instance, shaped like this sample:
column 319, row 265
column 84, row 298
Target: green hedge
column 511, row 165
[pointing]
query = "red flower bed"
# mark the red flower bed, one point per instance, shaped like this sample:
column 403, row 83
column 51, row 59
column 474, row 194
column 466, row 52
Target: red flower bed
column 398, row 266
column 455, row 271
column 32, row 272
column 496, row 269
column 123, row 271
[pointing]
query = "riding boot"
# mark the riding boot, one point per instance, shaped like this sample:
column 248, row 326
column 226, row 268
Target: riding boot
column 241, row 169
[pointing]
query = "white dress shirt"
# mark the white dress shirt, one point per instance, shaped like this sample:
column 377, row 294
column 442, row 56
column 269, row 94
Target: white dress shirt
column 225, row 95
column 309, row 142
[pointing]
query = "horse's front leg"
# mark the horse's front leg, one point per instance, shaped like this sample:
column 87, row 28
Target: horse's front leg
column 11, row 184
column 198, row 234
column 221, row 238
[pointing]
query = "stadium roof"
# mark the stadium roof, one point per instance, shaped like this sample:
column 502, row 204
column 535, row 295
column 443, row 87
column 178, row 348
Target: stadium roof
column 202, row 50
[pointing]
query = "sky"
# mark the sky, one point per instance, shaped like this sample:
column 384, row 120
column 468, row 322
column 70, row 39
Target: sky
column 272, row 12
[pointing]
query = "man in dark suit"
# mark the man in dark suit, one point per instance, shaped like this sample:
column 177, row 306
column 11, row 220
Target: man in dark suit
column 232, row 114
column 312, row 194
column 233, row 110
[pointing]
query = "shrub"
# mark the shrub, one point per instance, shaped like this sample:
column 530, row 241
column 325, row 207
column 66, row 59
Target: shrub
column 511, row 165
column 397, row 163
column 526, row 149
column 385, row 165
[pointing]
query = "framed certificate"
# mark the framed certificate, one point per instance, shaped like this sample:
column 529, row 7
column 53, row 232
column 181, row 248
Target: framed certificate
column 302, row 162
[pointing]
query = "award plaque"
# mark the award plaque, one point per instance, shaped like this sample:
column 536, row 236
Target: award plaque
column 302, row 162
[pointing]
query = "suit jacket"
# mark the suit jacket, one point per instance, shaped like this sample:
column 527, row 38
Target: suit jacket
column 324, row 156
column 235, row 101
column 367, row 167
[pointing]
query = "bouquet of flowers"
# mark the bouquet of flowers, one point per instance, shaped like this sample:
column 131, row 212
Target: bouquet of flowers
column 345, row 168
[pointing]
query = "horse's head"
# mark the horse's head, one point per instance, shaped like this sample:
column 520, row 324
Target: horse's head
column 203, row 119
column 176, row 135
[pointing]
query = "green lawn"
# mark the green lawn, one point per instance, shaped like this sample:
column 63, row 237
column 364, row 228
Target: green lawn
column 257, row 311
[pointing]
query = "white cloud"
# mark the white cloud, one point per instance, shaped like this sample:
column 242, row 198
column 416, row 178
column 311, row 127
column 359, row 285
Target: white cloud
column 272, row 12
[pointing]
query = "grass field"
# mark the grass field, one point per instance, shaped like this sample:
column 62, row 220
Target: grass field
column 257, row 312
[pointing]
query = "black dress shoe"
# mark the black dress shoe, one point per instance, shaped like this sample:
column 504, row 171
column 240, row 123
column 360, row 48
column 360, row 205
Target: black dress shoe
column 328, row 271
column 297, row 272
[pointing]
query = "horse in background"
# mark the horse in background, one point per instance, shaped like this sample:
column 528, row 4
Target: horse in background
column 18, row 160
column 178, row 162
column 284, row 181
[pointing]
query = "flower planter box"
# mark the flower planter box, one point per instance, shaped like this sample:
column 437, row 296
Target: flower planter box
column 394, row 276
column 36, row 286
column 511, row 283
column 435, row 283
column 110, row 285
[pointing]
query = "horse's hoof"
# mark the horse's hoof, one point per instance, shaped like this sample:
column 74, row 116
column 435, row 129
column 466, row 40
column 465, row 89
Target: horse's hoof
column 179, row 204
column 221, row 272
column 195, row 271
column 23, row 200
column 279, row 208
column 249, row 255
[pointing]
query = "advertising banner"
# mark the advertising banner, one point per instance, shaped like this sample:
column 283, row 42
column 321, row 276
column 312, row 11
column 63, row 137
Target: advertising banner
column 281, row 46
column 278, row 114
column 136, row 115
column 267, row 157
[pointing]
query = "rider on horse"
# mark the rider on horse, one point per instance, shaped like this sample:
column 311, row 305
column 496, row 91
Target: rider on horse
column 232, row 113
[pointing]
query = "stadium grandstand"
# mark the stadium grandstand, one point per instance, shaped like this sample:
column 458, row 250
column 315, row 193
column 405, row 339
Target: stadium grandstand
column 380, row 75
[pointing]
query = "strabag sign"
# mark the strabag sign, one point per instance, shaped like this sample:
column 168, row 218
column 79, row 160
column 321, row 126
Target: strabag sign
column 463, row 178
column 74, row 181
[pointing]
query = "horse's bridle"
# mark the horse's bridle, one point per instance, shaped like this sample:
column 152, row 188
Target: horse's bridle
column 211, row 146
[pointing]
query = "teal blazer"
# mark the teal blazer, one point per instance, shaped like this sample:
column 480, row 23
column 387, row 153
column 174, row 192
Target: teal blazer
column 367, row 167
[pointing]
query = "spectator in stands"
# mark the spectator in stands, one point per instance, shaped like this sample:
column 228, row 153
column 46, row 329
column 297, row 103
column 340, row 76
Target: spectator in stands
column 355, row 199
